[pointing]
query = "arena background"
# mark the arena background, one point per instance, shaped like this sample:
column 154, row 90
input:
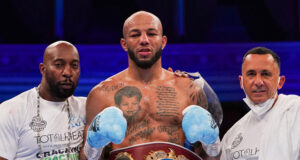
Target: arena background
column 208, row 36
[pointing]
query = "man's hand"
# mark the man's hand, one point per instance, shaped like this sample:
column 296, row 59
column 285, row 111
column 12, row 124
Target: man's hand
column 178, row 73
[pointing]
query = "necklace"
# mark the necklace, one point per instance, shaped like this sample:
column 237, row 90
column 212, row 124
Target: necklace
column 42, row 122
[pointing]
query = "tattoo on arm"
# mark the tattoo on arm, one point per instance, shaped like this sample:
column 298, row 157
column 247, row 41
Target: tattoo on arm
column 198, row 96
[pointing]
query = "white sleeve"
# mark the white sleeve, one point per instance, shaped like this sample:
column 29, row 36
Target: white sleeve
column 8, row 131
column 294, row 120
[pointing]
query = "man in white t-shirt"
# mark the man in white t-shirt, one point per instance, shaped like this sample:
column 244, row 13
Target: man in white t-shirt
column 46, row 122
column 270, row 130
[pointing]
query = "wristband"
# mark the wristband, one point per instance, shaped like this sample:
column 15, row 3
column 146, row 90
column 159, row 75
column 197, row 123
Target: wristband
column 92, row 153
column 213, row 149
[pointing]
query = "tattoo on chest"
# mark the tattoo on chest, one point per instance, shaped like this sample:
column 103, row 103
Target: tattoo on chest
column 142, row 134
column 168, row 129
column 133, row 128
column 128, row 100
column 172, row 132
column 138, row 131
column 174, row 139
column 167, row 104
column 110, row 88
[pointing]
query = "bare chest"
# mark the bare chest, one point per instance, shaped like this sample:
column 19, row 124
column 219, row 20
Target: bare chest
column 152, row 112
column 159, row 103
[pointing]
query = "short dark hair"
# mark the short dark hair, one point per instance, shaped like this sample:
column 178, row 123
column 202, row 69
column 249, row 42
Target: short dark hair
column 128, row 91
column 263, row 51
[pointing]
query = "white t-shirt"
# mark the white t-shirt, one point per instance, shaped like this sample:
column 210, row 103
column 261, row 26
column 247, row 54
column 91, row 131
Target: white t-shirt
column 18, row 128
column 274, row 135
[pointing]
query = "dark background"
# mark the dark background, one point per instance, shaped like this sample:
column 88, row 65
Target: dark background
column 209, row 36
column 184, row 21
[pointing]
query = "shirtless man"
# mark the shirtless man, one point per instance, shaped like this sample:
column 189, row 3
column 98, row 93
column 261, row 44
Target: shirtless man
column 156, row 115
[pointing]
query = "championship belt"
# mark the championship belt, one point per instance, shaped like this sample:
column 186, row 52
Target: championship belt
column 154, row 151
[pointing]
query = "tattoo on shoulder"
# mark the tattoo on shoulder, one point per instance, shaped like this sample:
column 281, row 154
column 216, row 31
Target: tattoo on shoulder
column 198, row 96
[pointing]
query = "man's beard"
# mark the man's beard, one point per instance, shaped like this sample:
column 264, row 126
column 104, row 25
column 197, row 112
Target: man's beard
column 58, row 91
column 144, row 64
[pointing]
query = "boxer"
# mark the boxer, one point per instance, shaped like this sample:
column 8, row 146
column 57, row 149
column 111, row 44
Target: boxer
column 155, row 111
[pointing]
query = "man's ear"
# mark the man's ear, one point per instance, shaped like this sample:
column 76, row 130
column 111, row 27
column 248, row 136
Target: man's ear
column 241, row 81
column 123, row 44
column 164, row 42
column 42, row 68
column 281, row 82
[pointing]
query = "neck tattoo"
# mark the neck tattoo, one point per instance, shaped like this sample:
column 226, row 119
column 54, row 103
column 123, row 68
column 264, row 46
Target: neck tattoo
column 42, row 122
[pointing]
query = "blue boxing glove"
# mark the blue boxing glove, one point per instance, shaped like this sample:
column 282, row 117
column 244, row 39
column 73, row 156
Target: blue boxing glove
column 107, row 126
column 198, row 125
